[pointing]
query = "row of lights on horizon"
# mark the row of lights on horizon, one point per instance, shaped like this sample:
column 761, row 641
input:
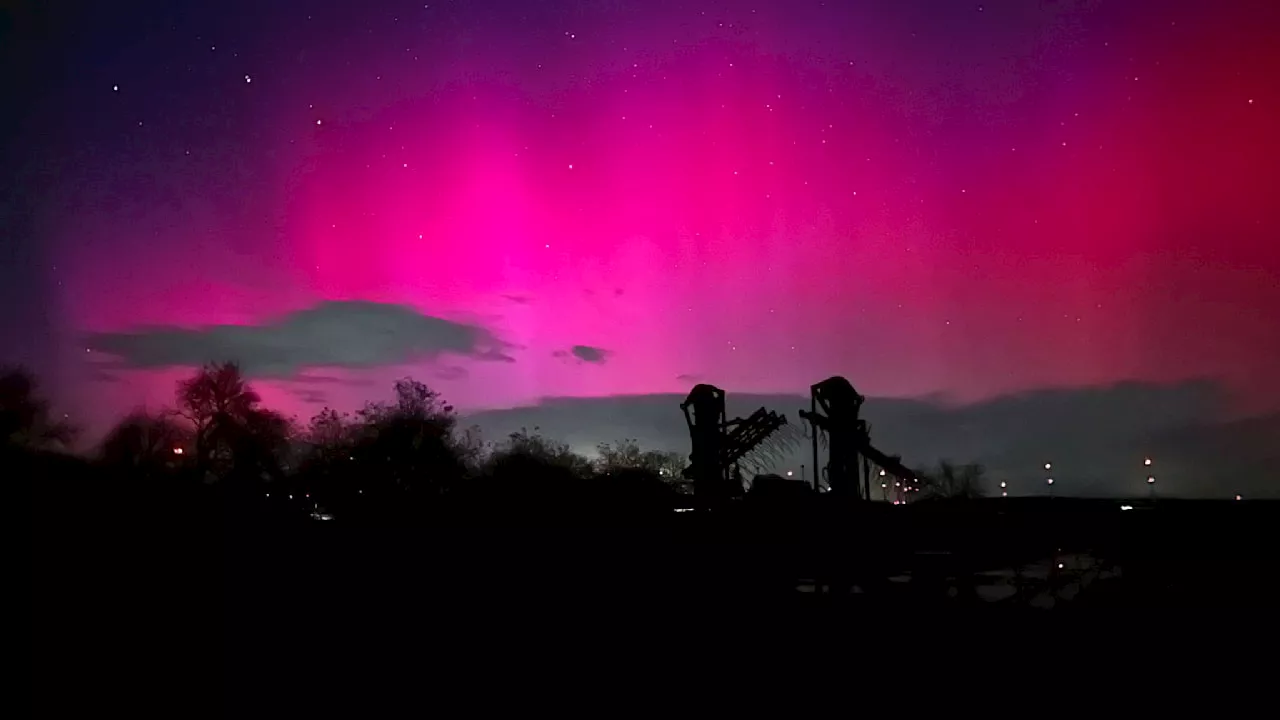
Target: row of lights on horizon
column 1004, row 485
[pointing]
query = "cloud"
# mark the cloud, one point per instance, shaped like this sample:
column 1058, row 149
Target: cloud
column 518, row 299
column 1096, row 437
column 329, row 380
column 350, row 334
column 103, row 376
column 311, row 397
column 451, row 372
column 686, row 377
column 585, row 353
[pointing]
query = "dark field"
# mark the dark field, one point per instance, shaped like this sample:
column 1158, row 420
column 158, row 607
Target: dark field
column 229, row 605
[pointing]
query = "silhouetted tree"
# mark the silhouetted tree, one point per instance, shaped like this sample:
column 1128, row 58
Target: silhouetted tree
column 212, row 400
column 952, row 482
column 328, row 467
column 145, row 443
column 627, row 454
column 329, row 435
column 260, row 443
column 409, row 443
column 526, row 452
column 25, row 420
column 231, row 434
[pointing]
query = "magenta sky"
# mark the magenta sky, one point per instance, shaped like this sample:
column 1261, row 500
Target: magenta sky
column 928, row 199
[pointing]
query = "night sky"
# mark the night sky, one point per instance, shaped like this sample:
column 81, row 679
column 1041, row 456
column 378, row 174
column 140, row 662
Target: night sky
column 519, row 200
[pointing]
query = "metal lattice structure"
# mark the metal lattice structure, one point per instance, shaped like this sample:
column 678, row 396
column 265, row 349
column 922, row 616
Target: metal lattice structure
column 834, row 411
column 720, row 446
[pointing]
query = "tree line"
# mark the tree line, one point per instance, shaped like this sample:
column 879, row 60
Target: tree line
column 393, row 458
column 403, row 454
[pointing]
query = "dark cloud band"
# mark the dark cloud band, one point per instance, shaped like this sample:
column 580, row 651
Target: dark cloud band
column 353, row 334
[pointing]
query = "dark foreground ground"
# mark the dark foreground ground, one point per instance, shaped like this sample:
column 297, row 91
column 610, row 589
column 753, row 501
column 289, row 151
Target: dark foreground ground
column 208, row 609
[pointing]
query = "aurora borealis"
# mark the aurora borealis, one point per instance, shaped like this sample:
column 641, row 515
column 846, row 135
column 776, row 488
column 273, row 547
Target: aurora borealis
column 624, row 197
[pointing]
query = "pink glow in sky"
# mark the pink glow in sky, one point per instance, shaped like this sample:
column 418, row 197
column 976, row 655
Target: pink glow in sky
column 1067, row 196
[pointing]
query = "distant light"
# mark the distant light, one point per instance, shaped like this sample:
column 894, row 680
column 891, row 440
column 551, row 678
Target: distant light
column 268, row 494
column 789, row 473
column 881, row 473
column 1004, row 494
column 1050, row 481
column 1004, row 484
column 248, row 79
column 290, row 497
column 1060, row 566
column 1239, row 498
column 1126, row 507
column 1151, row 480
column 684, row 509
column 884, row 485
column 1147, row 461
column 1048, row 466
column 177, row 451
column 116, row 88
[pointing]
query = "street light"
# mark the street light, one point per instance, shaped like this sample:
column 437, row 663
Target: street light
column 177, row 451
